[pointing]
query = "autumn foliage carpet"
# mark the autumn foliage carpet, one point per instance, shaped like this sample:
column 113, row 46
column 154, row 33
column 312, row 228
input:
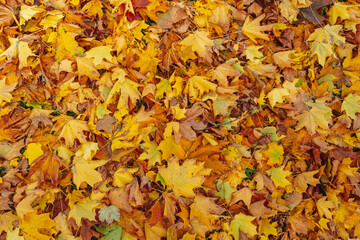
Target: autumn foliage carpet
column 198, row 119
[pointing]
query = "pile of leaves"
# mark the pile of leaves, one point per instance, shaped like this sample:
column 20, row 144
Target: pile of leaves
column 202, row 119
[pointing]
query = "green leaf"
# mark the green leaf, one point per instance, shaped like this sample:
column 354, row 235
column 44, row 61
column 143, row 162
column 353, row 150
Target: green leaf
column 110, row 232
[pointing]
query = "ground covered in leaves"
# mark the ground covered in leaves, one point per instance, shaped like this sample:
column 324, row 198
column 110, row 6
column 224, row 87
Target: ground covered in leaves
column 202, row 119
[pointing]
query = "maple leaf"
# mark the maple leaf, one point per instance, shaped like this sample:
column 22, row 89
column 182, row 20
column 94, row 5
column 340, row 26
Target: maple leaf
column 205, row 210
column 328, row 35
column 109, row 214
column 99, row 54
column 123, row 176
column 222, row 103
column 351, row 105
column 322, row 50
column 317, row 117
column 183, row 179
column 126, row 87
column 198, row 41
column 168, row 147
column 66, row 45
column 222, row 72
column 111, row 232
column 279, row 175
column 274, row 153
column 276, row 95
column 94, row 8
column 224, row 190
column 37, row 227
column 84, row 171
column 253, row 29
column 72, row 130
column 302, row 181
column 83, row 209
column 323, row 207
column 14, row 235
column 148, row 61
column 20, row 49
column 86, row 68
column 282, row 59
column 338, row 10
column 244, row 194
column 267, row 228
column 170, row 17
column 151, row 153
column 33, row 151
column 5, row 90
column 6, row 221
column 242, row 222
column 197, row 85
column 221, row 15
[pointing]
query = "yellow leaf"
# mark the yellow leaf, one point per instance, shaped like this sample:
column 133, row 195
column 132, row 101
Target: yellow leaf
column 151, row 153
column 84, row 171
column 322, row 50
column 183, row 179
column 338, row 10
column 274, row 153
column 156, row 232
column 52, row 19
column 205, row 210
column 168, row 147
column 123, row 176
column 86, row 68
column 197, row 85
column 37, row 227
column 282, row 59
column 27, row 12
column 288, row 11
column 62, row 225
column 210, row 138
column 242, row 222
column 99, row 53
column 94, row 8
column 20, row 49
column 253, row 29
column 323, row 207
column 67, row 46
column 328, row 35
column 221, row 15
column 74, row 129
column 278, row 176
column 14, row 235
column 83, row 209
column 5, row 90
column 222, row 72
column 179, row 113
column 351, row 105
column 198, row 41
column 302, row 181
column 252, row 52
column 244, row 194
column 316, row 117
column 128, row 89
column 33, row 151
column 266, row 228
column 6, row 221
column 24, row 206
column 276, row 95
column 148, row 61
column 127, row 135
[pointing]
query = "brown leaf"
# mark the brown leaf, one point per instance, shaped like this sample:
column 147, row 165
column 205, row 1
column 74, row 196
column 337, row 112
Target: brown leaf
column 120, row 197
